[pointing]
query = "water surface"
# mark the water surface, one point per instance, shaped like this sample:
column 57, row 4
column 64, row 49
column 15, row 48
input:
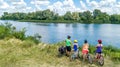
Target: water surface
column 56, row 32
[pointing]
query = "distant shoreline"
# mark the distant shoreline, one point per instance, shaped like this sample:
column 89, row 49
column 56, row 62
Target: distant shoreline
column 59, row 21
column 49, row 21
column 87, row 17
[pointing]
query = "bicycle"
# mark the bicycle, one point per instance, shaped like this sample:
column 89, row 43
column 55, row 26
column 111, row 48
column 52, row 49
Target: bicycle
column 88, row 57
column 100, row 59
column 74, row 55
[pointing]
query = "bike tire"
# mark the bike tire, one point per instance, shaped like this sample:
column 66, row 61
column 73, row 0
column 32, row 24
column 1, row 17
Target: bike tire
column 101, row 61
column 90, row 60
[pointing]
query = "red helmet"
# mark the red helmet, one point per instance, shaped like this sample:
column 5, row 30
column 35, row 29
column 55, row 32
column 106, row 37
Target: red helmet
column 100, row 41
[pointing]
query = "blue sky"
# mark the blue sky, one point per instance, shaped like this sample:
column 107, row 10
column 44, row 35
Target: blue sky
column 60, row 6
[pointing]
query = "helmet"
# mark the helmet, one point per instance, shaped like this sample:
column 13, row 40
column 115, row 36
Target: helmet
column 100, row 41
column 75, row 41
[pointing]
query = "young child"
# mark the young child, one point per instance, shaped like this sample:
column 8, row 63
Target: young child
column 68, row 45
column 75, row 48
column 99, row 48
column 85, row 49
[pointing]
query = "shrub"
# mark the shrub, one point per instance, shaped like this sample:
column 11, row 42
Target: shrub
column 8, row 31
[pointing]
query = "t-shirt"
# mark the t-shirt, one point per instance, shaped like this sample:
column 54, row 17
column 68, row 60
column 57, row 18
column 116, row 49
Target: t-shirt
column 85, row 46
column 68, row 42
column 99, row 48
column 75, row 46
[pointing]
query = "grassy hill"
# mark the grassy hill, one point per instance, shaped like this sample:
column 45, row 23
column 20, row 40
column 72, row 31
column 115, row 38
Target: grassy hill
column 18, row 53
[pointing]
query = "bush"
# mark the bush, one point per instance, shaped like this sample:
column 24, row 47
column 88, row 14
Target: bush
column 9, row 31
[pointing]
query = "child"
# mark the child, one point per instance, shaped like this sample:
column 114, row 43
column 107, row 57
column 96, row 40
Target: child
column 85, row 49
column 99, row 48
column 68, row 45
column 75, row 48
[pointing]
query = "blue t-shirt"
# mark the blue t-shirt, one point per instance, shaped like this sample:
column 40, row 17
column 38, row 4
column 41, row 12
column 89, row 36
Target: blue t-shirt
column 75, row 46
column 99, row 49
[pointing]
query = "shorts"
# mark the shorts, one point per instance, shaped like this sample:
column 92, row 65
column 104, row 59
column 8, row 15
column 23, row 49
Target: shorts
column 99, row 52
column 68, row 48
column 84, row 51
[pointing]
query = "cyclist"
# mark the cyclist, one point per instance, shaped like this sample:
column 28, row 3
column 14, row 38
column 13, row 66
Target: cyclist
column 85, row 49
column 99, row 48
column 75, row 48
column 68, row 45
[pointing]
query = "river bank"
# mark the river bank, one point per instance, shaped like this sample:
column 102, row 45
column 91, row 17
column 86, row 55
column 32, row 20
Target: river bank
column 60, row 21
column 49, row 21
column 18, row 53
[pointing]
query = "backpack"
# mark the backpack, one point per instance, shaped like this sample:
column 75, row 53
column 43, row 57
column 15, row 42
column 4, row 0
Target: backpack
column 61, row 50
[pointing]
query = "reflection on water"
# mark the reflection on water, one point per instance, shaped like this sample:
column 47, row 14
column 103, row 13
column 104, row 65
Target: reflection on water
column 43, row 24
column 55, row 32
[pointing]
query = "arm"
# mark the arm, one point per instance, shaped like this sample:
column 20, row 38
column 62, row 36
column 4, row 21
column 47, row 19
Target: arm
column 97, row 45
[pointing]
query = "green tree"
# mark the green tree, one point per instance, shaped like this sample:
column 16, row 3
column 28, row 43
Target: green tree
column 96, row 13
column 56, row 16
column 47, row 14
column 87, row 17
column 75, row 16
column 115, row 18
column 100, row 17
column 68, row 16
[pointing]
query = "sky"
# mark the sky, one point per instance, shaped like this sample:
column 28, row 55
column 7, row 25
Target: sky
column 59, row 6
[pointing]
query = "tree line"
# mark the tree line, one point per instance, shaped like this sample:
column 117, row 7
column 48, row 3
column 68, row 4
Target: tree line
column 82, row 17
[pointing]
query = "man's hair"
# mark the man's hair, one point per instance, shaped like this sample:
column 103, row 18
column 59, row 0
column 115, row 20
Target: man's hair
column 68, row 37
column 85, row 41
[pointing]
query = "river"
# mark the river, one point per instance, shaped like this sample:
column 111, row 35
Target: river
column 56, row 32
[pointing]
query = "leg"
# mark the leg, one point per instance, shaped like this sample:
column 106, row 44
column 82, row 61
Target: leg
column 84, row 57
column 96, row 55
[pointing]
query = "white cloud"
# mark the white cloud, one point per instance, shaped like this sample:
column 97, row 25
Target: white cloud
column 39, row 3
column 19, row 6
column 95, row 4
column 68, row 3
column 83, row 6
column 56, row 6
column 3, row 5
column 63, row 7
column 21, row 2
column 109, row 6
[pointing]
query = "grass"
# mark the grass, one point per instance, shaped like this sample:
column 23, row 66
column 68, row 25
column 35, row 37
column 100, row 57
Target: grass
column 18, row 53
column 49, row 21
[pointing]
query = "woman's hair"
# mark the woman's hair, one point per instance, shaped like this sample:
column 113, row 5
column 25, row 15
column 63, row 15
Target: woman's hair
column 85, row 41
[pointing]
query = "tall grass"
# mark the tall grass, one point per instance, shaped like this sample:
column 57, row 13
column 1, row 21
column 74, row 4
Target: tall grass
column 111, row 51
column 18, row 53
column 8, row 31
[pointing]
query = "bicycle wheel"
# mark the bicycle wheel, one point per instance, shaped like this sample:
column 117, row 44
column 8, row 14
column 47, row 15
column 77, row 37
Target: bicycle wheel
column 101, row 61
column 90, row 59
column 72, row 57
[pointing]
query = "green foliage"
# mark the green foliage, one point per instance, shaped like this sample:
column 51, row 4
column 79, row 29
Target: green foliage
column 35, row 38
column 9, row 31
column 46, row 16
column 111, row 51
column 18, row 53
column 68, row 16
column 19, row 34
